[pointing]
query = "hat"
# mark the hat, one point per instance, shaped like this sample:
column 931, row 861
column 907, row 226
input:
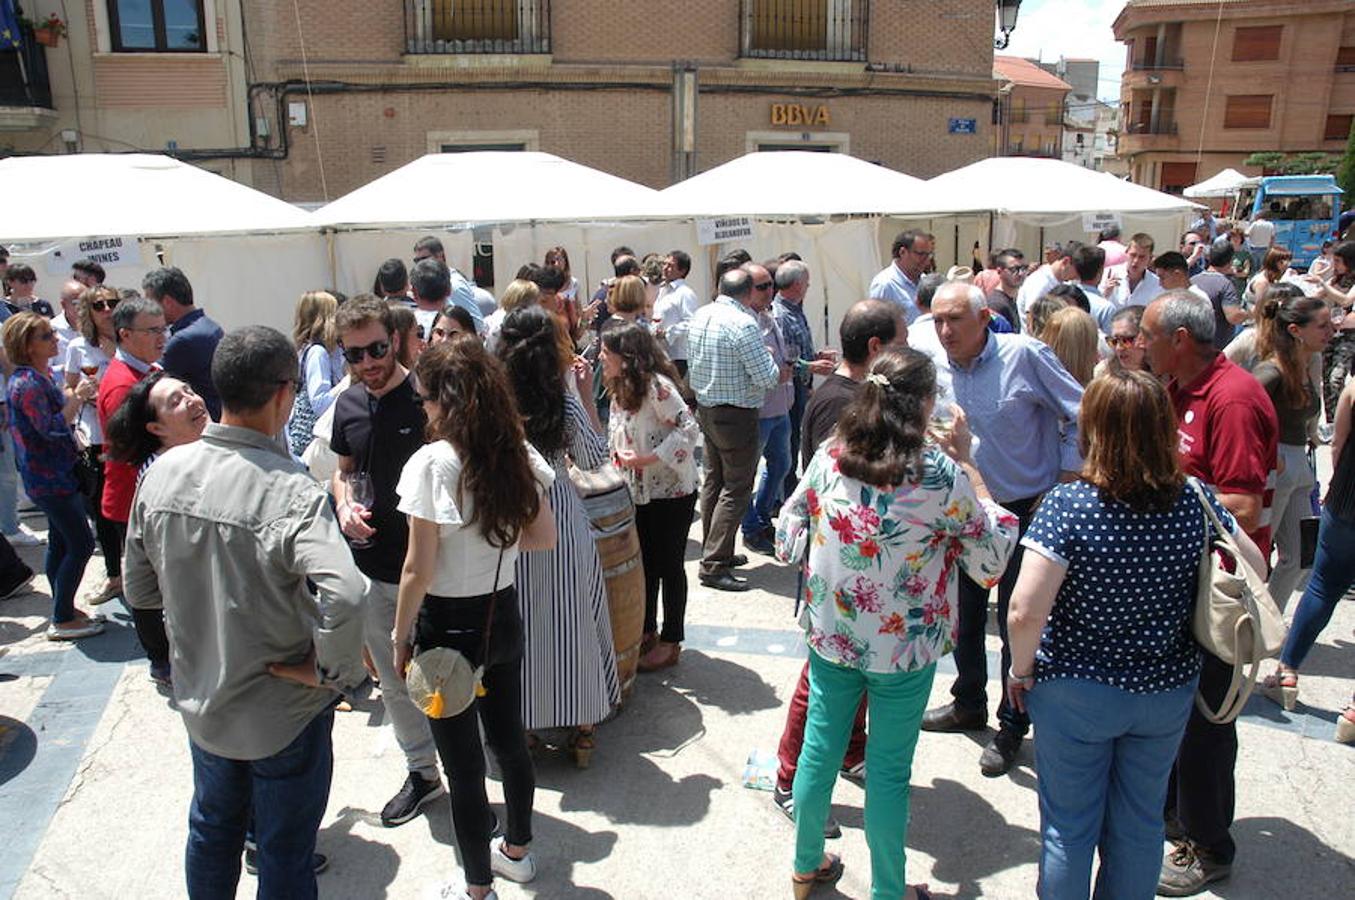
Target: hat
column 960, row 273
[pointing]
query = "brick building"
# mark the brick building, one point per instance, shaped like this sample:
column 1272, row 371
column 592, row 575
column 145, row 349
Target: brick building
column 1282, row 79
column 645, row 90
column 1031, row 108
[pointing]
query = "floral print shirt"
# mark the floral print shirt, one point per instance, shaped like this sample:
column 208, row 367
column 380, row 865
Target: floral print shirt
column 880, row 573
column 664, row 426
column 43, row 443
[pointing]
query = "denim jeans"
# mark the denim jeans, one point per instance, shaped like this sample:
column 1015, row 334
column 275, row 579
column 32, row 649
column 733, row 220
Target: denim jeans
column 774, row 440
column 1333, row 574
column 9, row 479
column 70, row 544
column 1103, row 756
column 284, row 795
column 897, row 701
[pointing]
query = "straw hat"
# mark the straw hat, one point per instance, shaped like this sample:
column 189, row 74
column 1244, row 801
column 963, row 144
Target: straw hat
column 960, row 273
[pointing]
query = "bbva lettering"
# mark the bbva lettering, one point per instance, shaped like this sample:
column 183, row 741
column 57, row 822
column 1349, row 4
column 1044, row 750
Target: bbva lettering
column 799, row 114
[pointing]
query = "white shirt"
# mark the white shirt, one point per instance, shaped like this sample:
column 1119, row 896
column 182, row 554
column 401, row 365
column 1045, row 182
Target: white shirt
column 922, row 335
column 64, row 335
column 80, row 353
column 1144, row 293
column 1260, row 234
column 1036, row 285
column 467, row 565
column 893, row 284
column 673, row 310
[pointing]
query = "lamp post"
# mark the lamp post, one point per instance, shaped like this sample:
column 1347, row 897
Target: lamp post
column 1006, row 21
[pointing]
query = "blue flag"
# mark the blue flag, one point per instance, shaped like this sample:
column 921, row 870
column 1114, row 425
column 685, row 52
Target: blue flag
column 9, row 26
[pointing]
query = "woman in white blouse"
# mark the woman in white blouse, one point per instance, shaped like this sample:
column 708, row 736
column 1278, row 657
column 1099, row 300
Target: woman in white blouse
column 653, row 435
column 474, row 497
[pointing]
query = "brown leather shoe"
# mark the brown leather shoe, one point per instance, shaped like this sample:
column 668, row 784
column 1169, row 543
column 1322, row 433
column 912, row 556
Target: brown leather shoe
column 663, row 656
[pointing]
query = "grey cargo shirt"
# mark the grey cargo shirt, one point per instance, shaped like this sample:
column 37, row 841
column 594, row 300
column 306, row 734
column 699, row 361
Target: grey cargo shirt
column 224, row 534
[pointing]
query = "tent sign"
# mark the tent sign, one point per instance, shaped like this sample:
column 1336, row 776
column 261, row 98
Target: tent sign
column 107, row 251
column 718, row 231
column 1096, row 222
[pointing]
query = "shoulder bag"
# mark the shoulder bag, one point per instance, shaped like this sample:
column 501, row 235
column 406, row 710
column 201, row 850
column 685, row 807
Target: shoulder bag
column 443, row 682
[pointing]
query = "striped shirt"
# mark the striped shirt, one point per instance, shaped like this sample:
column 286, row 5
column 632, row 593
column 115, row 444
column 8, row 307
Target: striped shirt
column 728, row 363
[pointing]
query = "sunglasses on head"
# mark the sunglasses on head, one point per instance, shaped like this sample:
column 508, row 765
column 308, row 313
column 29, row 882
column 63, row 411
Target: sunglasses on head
column 376, row 350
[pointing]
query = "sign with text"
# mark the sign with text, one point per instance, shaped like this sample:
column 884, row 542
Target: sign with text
column 109, row 252
column 1093, row 223
column 963, row 126
column 799, row 114
column 717, row 231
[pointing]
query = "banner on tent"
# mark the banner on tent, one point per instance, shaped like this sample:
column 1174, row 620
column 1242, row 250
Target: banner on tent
column 1100, row 221
column 109, row 252
column 717, row 231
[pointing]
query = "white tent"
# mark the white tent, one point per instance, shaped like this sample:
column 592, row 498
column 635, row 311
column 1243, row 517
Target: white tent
column 248, row 255
column 791, row 184
column 1224, row 184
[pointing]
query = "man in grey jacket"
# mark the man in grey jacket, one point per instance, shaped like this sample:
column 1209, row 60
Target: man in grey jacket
column 228, row 534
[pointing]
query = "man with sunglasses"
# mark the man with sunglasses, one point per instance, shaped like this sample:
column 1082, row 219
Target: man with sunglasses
column 897, row 282
column 378, row 425
column 192, row 335
column 1011, row 271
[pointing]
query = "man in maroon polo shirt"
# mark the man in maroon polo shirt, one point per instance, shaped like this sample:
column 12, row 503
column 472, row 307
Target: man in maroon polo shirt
column 1228, row 435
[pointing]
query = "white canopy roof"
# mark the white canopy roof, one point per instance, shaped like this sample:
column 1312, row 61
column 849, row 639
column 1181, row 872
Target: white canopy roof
column 131, row 195
column 1224, row 184
column 488, row 187
column 1039, row 191
column 790, row 183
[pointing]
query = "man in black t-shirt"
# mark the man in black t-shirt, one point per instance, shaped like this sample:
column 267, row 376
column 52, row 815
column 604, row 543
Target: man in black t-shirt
column 1217, row 284
column 868, row 328
column 378, row 424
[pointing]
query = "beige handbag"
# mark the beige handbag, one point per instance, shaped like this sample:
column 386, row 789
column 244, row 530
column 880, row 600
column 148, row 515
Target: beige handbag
column 1235, row 617
column 443, row 682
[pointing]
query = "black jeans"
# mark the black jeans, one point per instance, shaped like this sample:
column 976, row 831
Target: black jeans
column 105, row 530
column 1201, row 793
column 971, row 659
column 149, row 623
column 662, row 526
column 459, row 623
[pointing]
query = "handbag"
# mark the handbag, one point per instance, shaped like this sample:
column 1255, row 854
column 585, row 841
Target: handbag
column 443, row 682
column 1235, row 617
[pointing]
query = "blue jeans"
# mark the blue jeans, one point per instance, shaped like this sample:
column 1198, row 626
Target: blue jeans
column 70, row 544
column 9, row 482
column 1103, row 756
column 773, row 434
column 896, row 701
column 1333, row 574
column 283, row 794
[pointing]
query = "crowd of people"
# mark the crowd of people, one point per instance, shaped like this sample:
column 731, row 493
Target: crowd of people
column 398, row 477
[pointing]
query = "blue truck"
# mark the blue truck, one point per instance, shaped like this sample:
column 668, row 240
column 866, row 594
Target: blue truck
column 1304, row 209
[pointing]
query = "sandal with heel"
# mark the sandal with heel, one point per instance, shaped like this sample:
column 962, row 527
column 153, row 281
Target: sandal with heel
column 582, row 745
column 829, row 872
column 1283, row 688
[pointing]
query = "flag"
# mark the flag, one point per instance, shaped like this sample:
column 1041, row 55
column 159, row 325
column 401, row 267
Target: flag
column 9, row 26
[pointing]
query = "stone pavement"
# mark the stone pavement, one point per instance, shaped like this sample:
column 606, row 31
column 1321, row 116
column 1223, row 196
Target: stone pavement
column 95, row 781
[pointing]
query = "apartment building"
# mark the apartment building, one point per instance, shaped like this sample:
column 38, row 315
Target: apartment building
column 1206, row 84
column 1030, row 110
column 311, row 99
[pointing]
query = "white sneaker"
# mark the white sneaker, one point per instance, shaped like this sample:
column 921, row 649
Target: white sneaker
column 74, row 631
column 25, row 538
column 452, row 890
column 500, row 863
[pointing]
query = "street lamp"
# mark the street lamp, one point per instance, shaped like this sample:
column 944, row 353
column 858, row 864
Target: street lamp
column 1006, row 21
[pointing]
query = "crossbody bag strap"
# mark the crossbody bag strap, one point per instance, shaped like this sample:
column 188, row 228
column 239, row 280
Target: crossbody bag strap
column 489, row 616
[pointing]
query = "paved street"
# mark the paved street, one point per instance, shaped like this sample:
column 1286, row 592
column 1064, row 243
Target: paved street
column 95, row 781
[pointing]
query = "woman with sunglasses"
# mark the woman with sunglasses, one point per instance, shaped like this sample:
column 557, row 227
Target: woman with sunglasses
column 452, row 321
column 87, row 358
column 40, row 421
column 1126, row 342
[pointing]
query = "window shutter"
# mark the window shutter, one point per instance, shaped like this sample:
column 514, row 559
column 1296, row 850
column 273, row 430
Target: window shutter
column 1247, row 111
column 1257, row 43
column 1338, row 127
column 1345, row 58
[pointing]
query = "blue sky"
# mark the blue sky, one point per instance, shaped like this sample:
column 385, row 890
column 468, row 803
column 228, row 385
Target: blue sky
column 1048, row 29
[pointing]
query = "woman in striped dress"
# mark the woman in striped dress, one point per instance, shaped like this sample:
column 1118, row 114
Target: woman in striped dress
column 569, row 668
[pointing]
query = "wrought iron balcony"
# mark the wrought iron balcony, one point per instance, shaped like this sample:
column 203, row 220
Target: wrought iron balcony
column 477, row 26
column 805, row 29
column 23, row 75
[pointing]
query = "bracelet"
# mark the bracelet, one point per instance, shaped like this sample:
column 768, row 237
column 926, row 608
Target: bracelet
column 396, row 642
column 1026, row 680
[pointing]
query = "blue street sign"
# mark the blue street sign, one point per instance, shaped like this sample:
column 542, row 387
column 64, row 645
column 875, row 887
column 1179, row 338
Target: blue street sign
column 964, row 126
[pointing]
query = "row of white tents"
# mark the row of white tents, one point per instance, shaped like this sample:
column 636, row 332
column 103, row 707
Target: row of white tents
column 250, row 255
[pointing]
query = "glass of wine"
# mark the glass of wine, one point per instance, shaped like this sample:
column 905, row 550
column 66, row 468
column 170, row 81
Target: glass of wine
column 362, row 495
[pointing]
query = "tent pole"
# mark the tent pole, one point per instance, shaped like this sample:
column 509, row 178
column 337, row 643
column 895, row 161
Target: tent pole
column 991, row 248
column 333, row 263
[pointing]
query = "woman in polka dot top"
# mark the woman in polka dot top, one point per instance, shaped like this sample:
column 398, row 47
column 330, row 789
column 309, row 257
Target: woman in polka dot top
column 1102, row 652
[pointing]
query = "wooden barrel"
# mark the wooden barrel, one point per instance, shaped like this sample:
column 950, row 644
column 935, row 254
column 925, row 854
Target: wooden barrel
column 619, row 552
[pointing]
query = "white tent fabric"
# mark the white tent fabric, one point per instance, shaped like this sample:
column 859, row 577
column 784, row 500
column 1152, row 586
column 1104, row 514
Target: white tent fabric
column 791, row 184
column 1040, row 192
column 131, row 195
column 455, row 190
column 1224, row 184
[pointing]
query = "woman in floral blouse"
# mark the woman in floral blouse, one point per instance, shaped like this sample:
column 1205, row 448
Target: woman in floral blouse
column 40, row 421
column 653, row 435
column 884, row 523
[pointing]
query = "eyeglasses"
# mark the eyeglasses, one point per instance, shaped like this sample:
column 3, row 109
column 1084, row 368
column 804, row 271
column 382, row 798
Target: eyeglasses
column 104, row 305
column 763, row 286
column 442, row 334
column 1121, row 340
column 1017, row 270
column 923, row 253
column 376, row 350
column 46, row 335
column 158, row 330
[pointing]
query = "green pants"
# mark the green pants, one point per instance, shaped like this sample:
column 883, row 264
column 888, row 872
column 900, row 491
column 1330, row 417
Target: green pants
column 896, row 702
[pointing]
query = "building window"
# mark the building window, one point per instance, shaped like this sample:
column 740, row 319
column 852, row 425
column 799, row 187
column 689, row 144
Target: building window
column 1177, row 176
column 805, row 29
column 1247, row 111
column 157, row 26
column 1338, row 127
column 1257, row 44
column 477, row 26
column 1345, row 59
column 476, row 148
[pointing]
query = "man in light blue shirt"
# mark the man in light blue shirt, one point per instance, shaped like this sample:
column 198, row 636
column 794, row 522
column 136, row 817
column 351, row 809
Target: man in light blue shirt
column 674, row 307
column 897, row 282
column 434, row 288
column 1022, row 407
column 730, row 372
column 1090, row 263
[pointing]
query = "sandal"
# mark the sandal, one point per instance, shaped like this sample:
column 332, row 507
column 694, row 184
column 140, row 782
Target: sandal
column 582, row 746
column 829, row 872
column 648, row 642
column 1345, row 725
column 1282, row 687
column 920, row 892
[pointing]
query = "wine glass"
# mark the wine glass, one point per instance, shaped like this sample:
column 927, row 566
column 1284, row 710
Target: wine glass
column 362, row 495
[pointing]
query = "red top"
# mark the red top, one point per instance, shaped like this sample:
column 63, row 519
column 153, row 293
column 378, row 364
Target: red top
column 119, row 477
column 1229, row 435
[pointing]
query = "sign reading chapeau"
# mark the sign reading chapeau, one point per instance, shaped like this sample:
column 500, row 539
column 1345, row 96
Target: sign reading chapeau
column 107, row 251
column 717, row 231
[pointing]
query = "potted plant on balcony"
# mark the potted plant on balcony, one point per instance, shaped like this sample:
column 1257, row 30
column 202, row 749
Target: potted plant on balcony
column 49, row 31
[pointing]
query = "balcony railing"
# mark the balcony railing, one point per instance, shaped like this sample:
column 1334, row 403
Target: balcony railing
column 1148, row 65
column 477, row 26
column 1150, row 128
column 23, row 74
column 832, row 30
